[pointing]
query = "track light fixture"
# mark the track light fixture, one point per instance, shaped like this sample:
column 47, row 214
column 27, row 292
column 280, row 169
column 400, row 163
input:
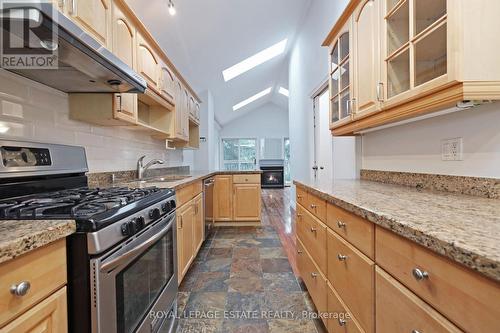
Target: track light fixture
column 171, row 8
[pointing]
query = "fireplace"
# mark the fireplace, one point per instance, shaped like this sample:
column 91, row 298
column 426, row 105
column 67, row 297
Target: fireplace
column 273, row 173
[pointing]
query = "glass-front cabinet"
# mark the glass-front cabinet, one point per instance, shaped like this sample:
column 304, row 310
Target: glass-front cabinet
column 340, row 80
column 415, row 50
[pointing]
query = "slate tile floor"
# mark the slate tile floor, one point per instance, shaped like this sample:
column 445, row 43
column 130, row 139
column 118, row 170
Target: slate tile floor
column 242, row 281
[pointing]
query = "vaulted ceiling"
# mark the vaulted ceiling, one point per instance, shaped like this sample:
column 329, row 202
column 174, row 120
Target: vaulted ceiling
column 207, row 36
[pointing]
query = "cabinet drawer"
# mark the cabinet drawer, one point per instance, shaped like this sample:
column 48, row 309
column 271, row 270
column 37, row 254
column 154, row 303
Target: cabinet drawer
column 187, row 193
column 316, row 206
column 246, row 179
column 356, row 230
column 44, row 269
column 399, row 310
column 312, row 234
column 341, row 320
column 351, row 273
column 466, row 298
column 313, row 278
column 50, row 316
column 301, row 196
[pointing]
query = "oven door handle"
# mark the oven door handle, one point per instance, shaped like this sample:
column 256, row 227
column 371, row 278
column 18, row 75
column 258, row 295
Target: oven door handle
column 109, row 266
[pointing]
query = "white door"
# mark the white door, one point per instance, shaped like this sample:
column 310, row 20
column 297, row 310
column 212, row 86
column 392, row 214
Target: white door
column 323, row 160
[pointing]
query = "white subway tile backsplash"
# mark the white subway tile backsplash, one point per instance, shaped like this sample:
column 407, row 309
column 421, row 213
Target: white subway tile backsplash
column 33, row 112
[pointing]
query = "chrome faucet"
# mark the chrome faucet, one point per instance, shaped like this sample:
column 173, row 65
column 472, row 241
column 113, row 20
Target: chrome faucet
column 141, row 168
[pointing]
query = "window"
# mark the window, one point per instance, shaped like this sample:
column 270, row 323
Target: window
column 239, row 154
column 288, row 176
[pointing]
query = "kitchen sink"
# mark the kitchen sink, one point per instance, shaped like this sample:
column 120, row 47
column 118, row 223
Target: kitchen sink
column 166, row 179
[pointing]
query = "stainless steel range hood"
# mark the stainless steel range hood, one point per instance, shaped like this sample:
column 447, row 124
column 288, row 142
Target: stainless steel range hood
column 83, row 65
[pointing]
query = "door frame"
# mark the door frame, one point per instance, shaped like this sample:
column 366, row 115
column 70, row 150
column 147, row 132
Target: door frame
column 315, row 95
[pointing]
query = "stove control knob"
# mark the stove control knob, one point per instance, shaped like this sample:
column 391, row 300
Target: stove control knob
column 172, row 204
column 154, row 213
column 128, row 229
column 166, row 207
column 140, row 222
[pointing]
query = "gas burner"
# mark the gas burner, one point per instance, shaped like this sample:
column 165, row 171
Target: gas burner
column 79, row 203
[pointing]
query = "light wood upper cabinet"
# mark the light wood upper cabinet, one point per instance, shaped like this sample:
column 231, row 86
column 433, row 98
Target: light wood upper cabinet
column 124, row 36
column 341, row 78
column 409, row 58
column 147, row 62
column 366, row 60
column 246, row 203
column 167, row 83
column 93, row 16
column 223, row 198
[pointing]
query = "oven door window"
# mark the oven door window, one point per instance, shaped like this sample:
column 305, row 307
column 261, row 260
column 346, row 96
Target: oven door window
column 142, row 281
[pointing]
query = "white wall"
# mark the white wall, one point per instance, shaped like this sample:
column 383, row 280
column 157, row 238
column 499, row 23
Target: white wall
column 32, row 112
column 416, row 147
column 267, row 121
column 308, row 68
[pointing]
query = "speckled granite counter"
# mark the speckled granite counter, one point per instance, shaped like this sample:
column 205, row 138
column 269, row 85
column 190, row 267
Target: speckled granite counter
column 18, row 237
column 464, row 228
column 174, row 181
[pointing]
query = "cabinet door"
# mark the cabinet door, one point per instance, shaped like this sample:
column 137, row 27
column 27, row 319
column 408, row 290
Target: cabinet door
column 246, row 202
column 185, row 252
column 179, row 110
column 167, row 83
column 93, row 16
column 125, row 107
column 49, row 316
column 341, row 87
column 147, row 63
column 366, row 58
column 199, row 225
column 223, row 197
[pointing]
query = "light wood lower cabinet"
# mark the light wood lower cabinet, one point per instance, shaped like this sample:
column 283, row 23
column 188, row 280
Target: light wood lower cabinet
column 387, row 283
column 352, row 275
column 312, row 234
column 399, row 310
column 199, row 223
column 237, row 198
column 185, row 246
column 468, row 299
column 43, row 308
column 246, row 202
column 190, row 230
column 49, row 316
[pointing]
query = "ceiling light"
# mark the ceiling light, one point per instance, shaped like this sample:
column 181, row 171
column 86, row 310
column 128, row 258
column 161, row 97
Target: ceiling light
column 284, row 91
column 252, row 99
column 254, row 60
column 171, row 8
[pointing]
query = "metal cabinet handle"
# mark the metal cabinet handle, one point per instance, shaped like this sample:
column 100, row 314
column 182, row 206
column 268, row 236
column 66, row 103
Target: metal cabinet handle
column 342, row 322
column 314, row 275
column 299, row 196
column 73, row 7
column 419, row 275
column 299, row 216
column 313, row 229
column 20, row 289
column 313, row 206
column 380, row 86
column 181, row 224
column 299, row 252
column 348, row 103
column 415, row 331
column 341, row 224
column 341, row 257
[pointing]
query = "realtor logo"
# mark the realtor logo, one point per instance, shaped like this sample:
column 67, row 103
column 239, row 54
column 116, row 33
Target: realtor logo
column 28, row 39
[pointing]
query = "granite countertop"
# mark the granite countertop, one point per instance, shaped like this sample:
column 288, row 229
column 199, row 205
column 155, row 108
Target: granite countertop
column 466, row 229
column 21, row 236
column 176, row 182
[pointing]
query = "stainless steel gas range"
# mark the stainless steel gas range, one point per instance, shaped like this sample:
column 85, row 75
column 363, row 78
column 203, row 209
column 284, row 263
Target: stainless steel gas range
column 122, row 274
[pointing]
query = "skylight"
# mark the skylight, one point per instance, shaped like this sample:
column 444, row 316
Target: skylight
column 252, row 99
column 284, row 91
column 254, row 60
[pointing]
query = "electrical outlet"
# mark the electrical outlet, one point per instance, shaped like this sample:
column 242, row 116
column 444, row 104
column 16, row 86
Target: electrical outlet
column 452, row 149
